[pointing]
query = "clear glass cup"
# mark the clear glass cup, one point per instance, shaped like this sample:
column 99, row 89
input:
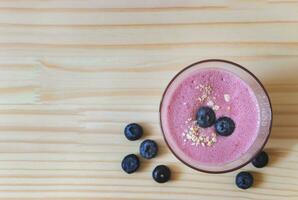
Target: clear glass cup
column 265, row 115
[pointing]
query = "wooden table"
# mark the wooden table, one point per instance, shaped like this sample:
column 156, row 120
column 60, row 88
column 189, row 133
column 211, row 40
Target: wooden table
column 75, row 72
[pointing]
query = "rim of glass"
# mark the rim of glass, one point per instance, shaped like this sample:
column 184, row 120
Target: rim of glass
column 245, row 70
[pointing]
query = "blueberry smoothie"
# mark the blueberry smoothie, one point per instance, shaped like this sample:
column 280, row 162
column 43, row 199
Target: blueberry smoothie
column 212, row 91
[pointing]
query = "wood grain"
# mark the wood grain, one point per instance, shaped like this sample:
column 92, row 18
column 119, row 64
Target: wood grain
column 73, row 73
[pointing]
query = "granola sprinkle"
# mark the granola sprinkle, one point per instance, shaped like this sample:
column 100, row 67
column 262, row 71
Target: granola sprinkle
column 194, row 135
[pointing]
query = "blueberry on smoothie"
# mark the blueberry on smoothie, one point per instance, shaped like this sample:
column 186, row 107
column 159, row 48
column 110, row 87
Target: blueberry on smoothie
column 224, row 126
column 205, row 117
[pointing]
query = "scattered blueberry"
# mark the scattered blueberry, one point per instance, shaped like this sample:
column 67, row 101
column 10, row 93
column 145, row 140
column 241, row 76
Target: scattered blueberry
column 205, row 117
column 224, row 126
column 133, row 131
column 244, row 180
column 161, row 174
column 148, row 149
column 130, row 163
column 260, row 160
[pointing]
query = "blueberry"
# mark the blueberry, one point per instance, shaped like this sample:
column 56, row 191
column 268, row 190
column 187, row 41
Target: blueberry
column 161, row 174
column 148, row 149
column 133, row 131
column 224, row 126
column 130, row 163
column 205, row 117
column 244, row 180
column 261, row 160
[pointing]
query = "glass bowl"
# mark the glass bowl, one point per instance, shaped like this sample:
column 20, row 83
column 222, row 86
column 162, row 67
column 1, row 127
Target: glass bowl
column 265, row 113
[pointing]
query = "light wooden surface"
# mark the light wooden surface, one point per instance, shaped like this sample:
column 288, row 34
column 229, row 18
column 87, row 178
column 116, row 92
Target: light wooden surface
column 73, row 73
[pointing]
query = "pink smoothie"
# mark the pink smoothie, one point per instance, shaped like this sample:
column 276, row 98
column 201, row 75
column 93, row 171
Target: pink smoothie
column 229, row 96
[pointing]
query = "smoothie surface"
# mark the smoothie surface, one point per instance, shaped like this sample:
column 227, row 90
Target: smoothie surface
column 227, row 95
